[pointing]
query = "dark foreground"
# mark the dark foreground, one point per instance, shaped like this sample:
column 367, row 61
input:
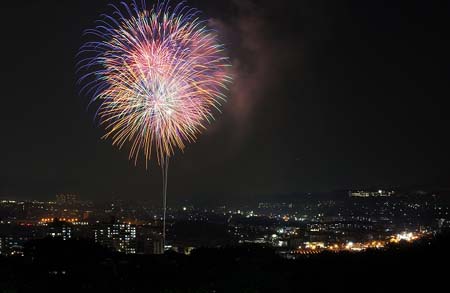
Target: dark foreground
column 78, row 266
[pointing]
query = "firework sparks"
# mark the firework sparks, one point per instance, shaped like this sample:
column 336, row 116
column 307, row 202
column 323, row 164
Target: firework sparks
column 157, row 74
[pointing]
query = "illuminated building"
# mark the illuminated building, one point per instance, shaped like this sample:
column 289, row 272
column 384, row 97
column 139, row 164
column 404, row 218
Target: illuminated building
column 158, row 246
column 10, row 246
column 66, row 199
column 118, row 236
column 59, row 229
column 145, row 239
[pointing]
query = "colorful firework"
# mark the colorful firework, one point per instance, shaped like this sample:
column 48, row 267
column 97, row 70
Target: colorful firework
column 157, row 75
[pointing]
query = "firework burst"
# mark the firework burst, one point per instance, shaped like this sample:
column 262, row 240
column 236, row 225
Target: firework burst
column 157, row 75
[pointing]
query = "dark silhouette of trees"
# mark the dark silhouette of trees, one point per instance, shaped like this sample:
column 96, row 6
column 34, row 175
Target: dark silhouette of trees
column 53, row 265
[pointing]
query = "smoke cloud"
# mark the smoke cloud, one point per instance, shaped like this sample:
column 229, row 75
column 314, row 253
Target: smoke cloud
column 260, row 58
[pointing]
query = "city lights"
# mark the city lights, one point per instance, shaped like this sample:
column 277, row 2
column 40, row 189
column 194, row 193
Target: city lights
column 292, row 230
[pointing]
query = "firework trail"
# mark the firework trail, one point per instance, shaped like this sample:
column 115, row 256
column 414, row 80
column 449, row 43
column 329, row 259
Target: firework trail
column 157, row 74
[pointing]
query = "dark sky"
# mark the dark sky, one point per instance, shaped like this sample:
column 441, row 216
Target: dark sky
column 327, row 95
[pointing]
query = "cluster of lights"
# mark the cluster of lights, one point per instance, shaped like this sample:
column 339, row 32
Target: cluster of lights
column 360, row 246
column 117, row 236
column 314, row 245
column 8, row 201
column 408, row 237
column 379, row 193
column 51, row 220
column 349, row 246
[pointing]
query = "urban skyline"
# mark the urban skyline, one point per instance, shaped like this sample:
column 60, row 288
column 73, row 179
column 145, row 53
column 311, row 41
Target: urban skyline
column 361, row 220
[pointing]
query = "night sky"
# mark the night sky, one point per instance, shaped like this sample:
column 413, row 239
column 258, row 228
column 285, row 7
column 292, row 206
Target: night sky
column 328, row 95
